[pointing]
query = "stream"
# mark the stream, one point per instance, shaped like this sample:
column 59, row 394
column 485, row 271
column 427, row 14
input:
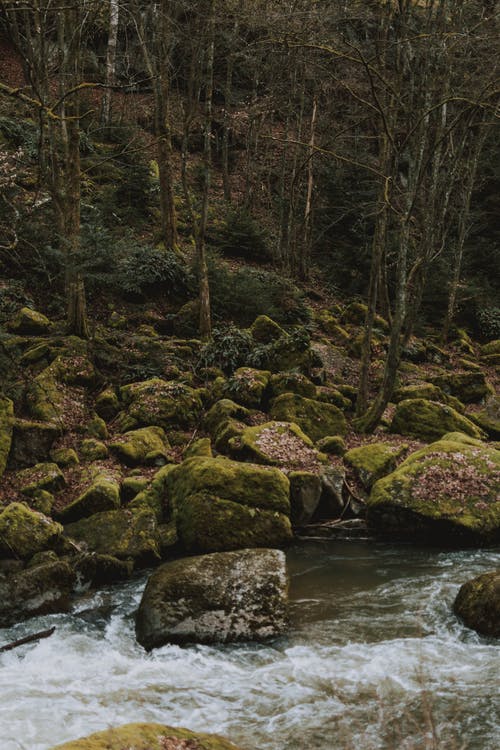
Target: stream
column 374, row 660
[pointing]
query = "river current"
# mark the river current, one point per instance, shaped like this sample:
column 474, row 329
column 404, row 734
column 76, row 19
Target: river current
column 374, row 660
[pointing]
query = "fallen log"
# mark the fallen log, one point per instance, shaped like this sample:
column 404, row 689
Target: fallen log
column 28, row 639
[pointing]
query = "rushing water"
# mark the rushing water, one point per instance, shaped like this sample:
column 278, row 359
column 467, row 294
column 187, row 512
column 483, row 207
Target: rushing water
column 374, row 659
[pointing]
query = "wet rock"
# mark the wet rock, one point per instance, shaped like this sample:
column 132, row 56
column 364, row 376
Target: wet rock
column 101, row 570
column 38, row 590
column 478, row 604
column 305, row 494
column 23, row 531
column 150, row 736
column 222, row 597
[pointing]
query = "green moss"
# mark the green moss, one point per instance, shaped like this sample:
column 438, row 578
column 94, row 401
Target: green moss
column 107, row 405
column 201, row 448
column 491, row 348
column 42, row 501
column 315, row 418
column 264, row 330
column 161, row 403
column 96, row 428
column 44, row 476
column 23, row 532
column 469, row 387
column 275, row 444
column 102, row 495
column 334, row 445
column 125, row 534
column 156, row 496
column 93, row 450
column 207, row 523
column 225, row 432
column 30, row 323
column 478, row 604
column 247, row 387
column 45, row 399
column 147, row 737
column 246, row 484
column 429, row 420
column 291, row 382
column 6, row 426
column 148, row 445
column 333, row 396
column 131, row 486
column 64, row 457
column 223, row 410
column 371, row 462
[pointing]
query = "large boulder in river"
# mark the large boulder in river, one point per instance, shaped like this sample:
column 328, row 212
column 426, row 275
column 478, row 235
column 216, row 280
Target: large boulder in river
column 6, row 422
column 478, row 604
column 150, row 736
column 217, row 598
column 445, row 492
column 38, row 590
column 430, row 420
column 223, row 505
column 23, row 532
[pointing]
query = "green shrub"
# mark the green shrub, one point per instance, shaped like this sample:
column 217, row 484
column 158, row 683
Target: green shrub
column 13, row 296
column 229, row 349
column 240, row 236
column 488, row 322
column 144, row 269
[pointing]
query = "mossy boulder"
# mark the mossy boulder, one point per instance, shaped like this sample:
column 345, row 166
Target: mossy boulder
column 201, row 448
column 488, row 419
column 156, row 497
column 374, row 461
column 225, row 432
column 276, row 444
column 330, row 395
column 43, row 501
column 23, row 532
column 125, row 534
column 46, row 399
column 38, row 590
column 222, row 505
column 148, row 737
column 147, row 445
column 315, row 418
column 103, row 494
column 93, row 450
column 291, row 382
column 429, row 420
column 468, row 387
column 6, row 426
column 131, row 486
column 107, row 404
column 29, row 322
column 221, row 597
column 478, row 604
column 64, row 457
column 223, row 410
column 161, row 403
column 491, row 348
column 101, row 570
column 97, row 428
column 31, row 442
column 447, row 491
column 43, row 476
column 247, row 387
column 332, row 444
column 355, row 313
column 305, row 494
column 428, row 391
column 264, row 330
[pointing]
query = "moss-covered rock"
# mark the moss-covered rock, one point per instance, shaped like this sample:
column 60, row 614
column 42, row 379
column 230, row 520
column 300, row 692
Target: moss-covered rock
column 43, row 502
column 161, row 403
column 31, row 442
column 469, row 387
column 492, row 347
column 156, row 497
column 488, row 419
column 201, row 448
column 97, row 428
column 373, row 461
column 64, row 457
column 125, row 534
column 38, row 590
column 291, row 382
column 23, row 532
column 429, row 420
column 102, row 494
column 45, row 398
column 428, row 391
column 247, row 387
column 221, row 504
column 222, row 597
column 97, row 570
column 6, row 426
column 330, row 395
column 276, row 444
column 147, row 445
column 148, row 737
column 447, row 491
column 107, row 404
column 223, row 410
column 29, row 322
column 478, row 604
column 315, row 418
column 333, row 444
column 264, row 330
column 225, row 432
column 44, row 476
column 93, row 450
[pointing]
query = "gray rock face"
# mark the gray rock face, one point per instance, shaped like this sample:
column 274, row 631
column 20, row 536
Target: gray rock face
column 221, row 597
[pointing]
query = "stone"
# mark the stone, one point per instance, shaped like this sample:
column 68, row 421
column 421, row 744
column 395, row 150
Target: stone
column 64, row 457
column 264, row 330
column 97, row 570
column 429, row 420
column 201, row 448
column 103, row 494
column 291, row 382
column 446, row 492
column 38, row 590
column 148, row 446
column 247, row 387
column 491, row 348
column 93, row 450
column 31, row 442
column 161, row 403
column 44, row 476
column 107, row 404
column 373, row 461
column 222, row 411
column 218, row 598
column 96, row 428
column 29, row 322
column 469, row 387
column 123, row 533
column 6, row 427
column 150, row 737
column 478, row 604
column 333, row 444
column 315, row 418
column 488, row 419
column 23, row 532
column 276, row 444
column 305, row 494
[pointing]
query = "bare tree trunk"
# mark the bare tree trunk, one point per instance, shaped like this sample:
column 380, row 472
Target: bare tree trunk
column 305, row 253
column 114, row 15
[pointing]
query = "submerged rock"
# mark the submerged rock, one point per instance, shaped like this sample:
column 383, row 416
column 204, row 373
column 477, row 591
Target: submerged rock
column 478, row 604
column 148, row 737
column 222, row 597
column 447, row 491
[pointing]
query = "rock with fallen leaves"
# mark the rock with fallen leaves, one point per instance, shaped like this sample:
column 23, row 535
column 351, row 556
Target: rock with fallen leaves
column 447, row 492
column 218, row 598
column 150, row 736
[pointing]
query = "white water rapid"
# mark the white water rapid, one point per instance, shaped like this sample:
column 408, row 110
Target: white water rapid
column 375, row 659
